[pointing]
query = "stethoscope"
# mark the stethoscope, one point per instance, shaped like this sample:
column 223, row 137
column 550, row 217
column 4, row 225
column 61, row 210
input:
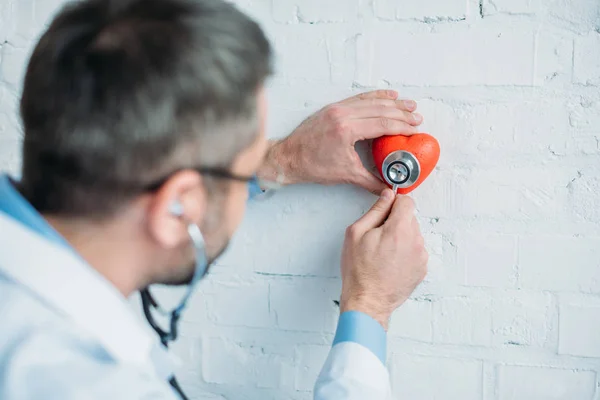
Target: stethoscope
column 401, row 169
column 149, row 303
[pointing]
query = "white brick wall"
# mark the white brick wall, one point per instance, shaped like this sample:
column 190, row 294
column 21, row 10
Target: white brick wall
column 511, row 215
column 516, row 382
column 432, row 378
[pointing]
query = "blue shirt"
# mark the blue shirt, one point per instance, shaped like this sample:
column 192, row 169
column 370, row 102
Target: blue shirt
column 15, row 205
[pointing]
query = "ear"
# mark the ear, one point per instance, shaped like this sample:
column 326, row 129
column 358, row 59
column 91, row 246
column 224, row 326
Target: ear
column 179, row 202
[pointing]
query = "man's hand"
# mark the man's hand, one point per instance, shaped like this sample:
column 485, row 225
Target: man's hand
column 321, row 150
column 384, row 258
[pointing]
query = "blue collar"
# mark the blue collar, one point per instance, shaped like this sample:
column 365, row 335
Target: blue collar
column 17, row 207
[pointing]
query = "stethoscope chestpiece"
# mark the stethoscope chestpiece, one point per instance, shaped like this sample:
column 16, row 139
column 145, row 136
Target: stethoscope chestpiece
column 401, row 169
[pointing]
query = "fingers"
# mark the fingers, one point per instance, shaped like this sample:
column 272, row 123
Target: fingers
column 420, row 241
column 375, row 94
column 372, row 128
column 410, row 118
column 403, row 212
column 376, row 216
column 415, row 224
column 370, row 182
column 405, row 105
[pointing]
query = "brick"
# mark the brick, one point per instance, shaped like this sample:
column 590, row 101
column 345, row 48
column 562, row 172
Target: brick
column 490, row 260
column 496, row 124
column 586, row 116
column 294, row 212
column 297, row 47
column 259, row 10
column 314, row 11
column 577, row 15
column 490, row 50
column 524, row 319
column 46, row 10
column 10, row 128
column 434, row 243
column 228, row 362
column 345, row 53
column 20, row 29
column 543, row 191
column 10, row 157
column 518, row 128
column 447, row 121
column 491, row 7
column 5, row 128
column 579, row 326
column 432, row 378
column 305, row 305
column 12, row 68
column 554, row 58
column 449, row 10
column 432, row 197
column 531, row 383
column 208, row 396
column 5, row 22
column 462, row 320
column 413, row 320
column 561, row 263
column 311, row 359
column 584, row 191
column 484, row 198
column 514, row 192
column 442, row 267
column 586, row 64
column 239, row 304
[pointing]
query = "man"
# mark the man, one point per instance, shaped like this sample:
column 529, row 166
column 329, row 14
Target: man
column 144, row 120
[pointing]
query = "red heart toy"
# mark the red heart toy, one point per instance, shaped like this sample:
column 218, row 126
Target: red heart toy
column 406, row 161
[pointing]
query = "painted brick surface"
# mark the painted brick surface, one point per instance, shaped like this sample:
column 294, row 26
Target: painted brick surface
column 421, row 10
column 491, row 260
column 431, row 378
column 516, row 383
column 574, row 340
column 511, row 216
column 587, row 69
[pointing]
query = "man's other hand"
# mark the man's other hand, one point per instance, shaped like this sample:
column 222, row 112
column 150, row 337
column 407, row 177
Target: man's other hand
column 384, row 258
column 321, row 150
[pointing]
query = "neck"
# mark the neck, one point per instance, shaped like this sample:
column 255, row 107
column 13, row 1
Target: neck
column 110, row 248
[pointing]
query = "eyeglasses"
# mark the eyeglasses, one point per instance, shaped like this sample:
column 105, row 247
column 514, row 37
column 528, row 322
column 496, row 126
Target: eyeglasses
column 255, row 184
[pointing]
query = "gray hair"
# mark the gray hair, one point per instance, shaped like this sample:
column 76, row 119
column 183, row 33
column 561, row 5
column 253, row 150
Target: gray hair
column 121, row 93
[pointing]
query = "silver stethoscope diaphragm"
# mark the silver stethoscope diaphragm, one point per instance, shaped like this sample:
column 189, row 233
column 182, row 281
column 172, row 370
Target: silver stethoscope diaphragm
column 401, row 169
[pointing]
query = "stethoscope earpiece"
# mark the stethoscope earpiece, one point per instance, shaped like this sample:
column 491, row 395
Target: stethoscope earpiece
column 200, row 269
column 176, row 209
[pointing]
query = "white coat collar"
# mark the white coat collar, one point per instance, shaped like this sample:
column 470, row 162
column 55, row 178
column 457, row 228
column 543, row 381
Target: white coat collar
column 63, row 280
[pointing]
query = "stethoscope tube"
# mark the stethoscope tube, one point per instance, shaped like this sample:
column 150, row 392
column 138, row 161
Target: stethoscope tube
column 149, row 303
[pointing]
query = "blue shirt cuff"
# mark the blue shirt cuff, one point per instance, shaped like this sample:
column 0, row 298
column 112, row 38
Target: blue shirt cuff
column 358, row 327
column 253, row 189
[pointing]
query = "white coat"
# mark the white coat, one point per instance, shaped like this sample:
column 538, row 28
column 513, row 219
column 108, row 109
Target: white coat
column 67, row 333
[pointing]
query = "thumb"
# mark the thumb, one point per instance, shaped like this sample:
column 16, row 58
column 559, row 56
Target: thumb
column 368, row 181
column 377, row 215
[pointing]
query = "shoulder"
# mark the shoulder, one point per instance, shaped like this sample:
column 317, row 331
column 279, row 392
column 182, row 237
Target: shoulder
column 43, row 356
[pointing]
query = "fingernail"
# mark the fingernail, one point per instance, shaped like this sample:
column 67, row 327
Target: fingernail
column 392, row 93
column 410, row 104
column 386, row 194
column 417, row 117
